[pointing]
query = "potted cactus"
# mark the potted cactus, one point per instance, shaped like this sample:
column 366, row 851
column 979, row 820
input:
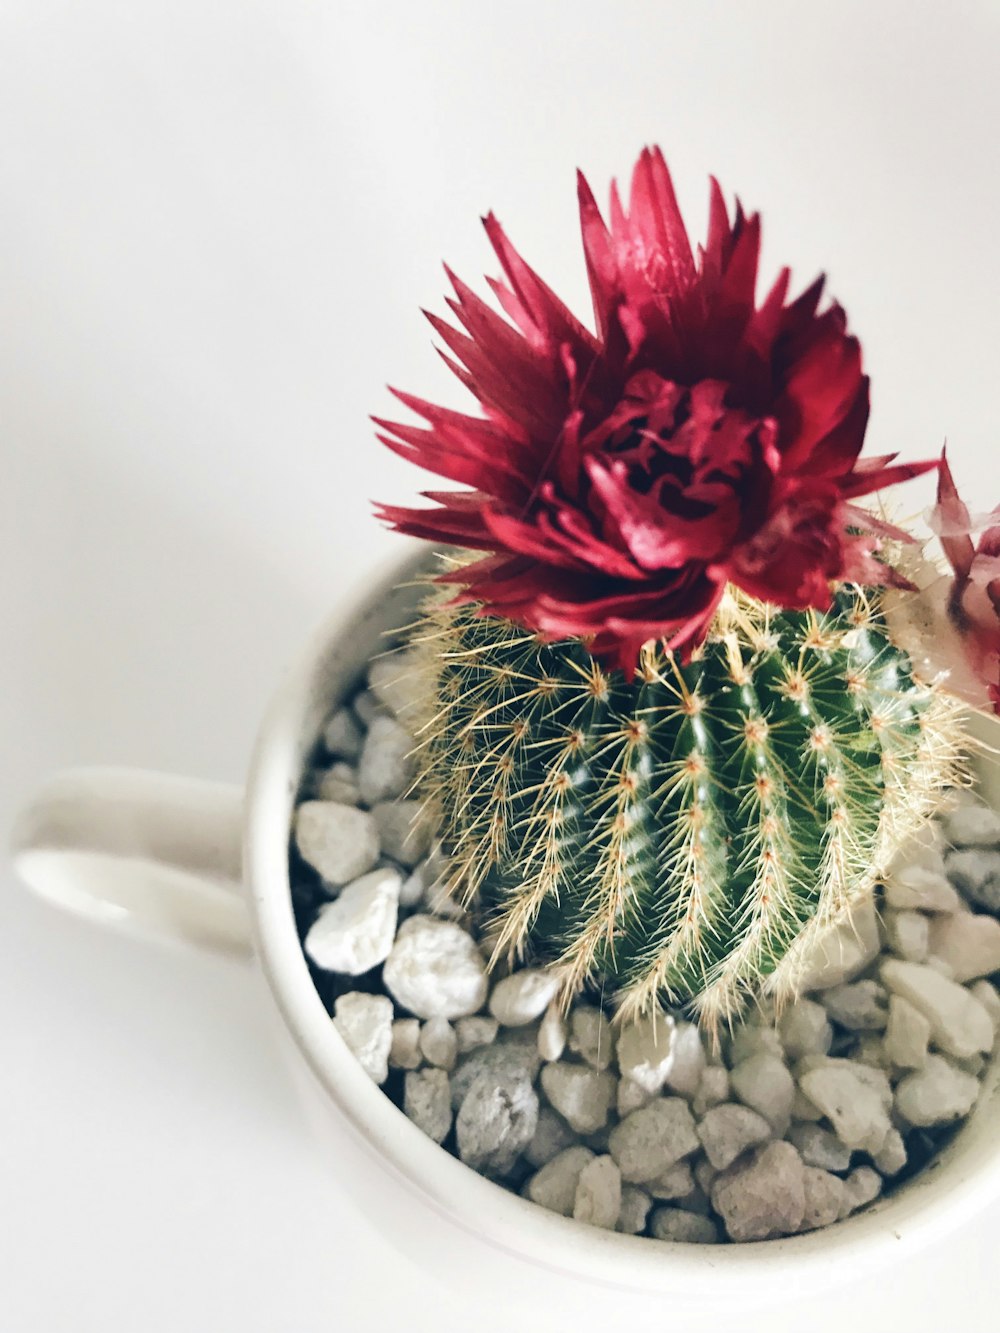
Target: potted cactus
column 677, row 702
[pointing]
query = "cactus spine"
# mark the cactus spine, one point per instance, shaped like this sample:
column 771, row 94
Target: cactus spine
column 678, row 838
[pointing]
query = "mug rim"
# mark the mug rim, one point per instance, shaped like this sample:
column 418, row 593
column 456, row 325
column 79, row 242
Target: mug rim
column 963, row 1179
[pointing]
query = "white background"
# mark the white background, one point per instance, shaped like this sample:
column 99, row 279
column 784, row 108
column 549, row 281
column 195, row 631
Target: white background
column 217, row 222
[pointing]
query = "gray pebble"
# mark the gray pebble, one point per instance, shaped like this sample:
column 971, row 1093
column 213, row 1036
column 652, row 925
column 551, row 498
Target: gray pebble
column 908, row 935
column 959, row 1024
column 988, row 996
column 551, row 1137
column 676, row 1224
column 755, row 1039
column 338, row 783
column 400, row 684
column 689, row 1060
column 386, row 766
column 634, row 1210
column 427, row 1101
column 404, row 1052
column 342, row 736
column 976, row 875
column 583, row 1096
column 819, row 1147
column 354, row 933
column 973, row 825
column 523, row 996
column 498, row 1061
column 649, row 1141
column 675, row 1183
column 554, row 1186
column 439, row 1043
column 590, row 1036
column 598, row 1198
column 855, row 1110
column 861, row 1187
column 435, row 970
column 476, row 1030
column 631, row 1096
column 646, row 1052
column 403, row 830
column 552, row 1033
column 804, row 1028
column 906, row 1035
column 339, row 842
column 891, row 1158
column 969, row 942
column 727, row 1131
column 936, row 1094
column 917, row 887
column 497, row 1119
column 713, row 1089
column 824, row 1198
column 763, row 1083
column 366, row 708
column 764, row 1196
column 861, row 1006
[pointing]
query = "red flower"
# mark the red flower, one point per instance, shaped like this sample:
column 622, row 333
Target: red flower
column 620, row 480
column 972, row 597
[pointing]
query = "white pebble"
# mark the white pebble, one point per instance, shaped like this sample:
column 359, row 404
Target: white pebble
column 677, row 1224
column 959, row 1023
column 598, row 1198
column 554, row 1186
column 728, row 1130
column 590, row 1036
column 755, row 1039
column 355, row 932
column 824, row 1198
column 819, row 1147
column 713, row 1089
column 987, row 995
column 427, row 1101
column 646, row 1051
column 339, row 784
column 917, row 887
column 969, row 943
column 803, row 1108
column 435, row 970
column 976, row 875
column 860, row 1006
column 404, row 1053
column 365, row 1023
column 689, row 1060
column 634, row 1210
column 439, row 1043
column 522, row 997
column 403, row 829
column 675, row 1183
column 649, row 1141
column 907, row 1034
column 862, row 1186
column 499, row 1060
column 496, row 1120
column 763, row 1197
column 339, row 842
column 551, row 1137
column 342, row 736
column 366, row 707
column 475, row 1031
column 631, row 1096
column 386, row 766
column 764, row 1084
column 854, row 1109
column 908, row 935
column 399, row 682
column 838, row 953
column 973, row 825
column 936, row 1094
column 582, row 1096
column 552, row 1033
column 804, row 1028
column 891, row 1157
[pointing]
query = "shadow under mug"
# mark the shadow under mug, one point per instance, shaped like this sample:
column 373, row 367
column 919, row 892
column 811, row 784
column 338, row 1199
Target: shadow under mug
column 208, row 864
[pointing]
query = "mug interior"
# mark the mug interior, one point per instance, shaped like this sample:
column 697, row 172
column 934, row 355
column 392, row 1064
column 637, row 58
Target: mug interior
column 963, row 1178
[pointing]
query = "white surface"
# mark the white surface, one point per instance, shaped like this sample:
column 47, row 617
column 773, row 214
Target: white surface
column 217, row 222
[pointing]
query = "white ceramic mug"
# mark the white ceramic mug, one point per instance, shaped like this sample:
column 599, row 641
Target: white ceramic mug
column 205, row 863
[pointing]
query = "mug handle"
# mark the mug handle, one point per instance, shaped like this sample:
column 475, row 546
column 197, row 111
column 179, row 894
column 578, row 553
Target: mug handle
column 153, row 854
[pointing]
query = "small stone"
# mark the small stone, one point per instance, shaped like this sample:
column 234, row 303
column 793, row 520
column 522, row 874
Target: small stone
column 824, row 1198
column 870, row 1050
column 399, row 684
column 475, row 1031
column 804, row 1028
column 646, row 1052
column 940, row 966
column 427, row 1101
column 339, row 842
column 819, row 1147
column 338, row 783
column 685, row 1070
column 552, row 1033
column 342, row 736
column 676, row 1224
column 764, row 1084
column 366, row 708
column 968, row 942
column 649, row 1141
column 439, row 1043
column 908, row 935
column 403, row 829
column 355, row 932
column 435, row 970
column 891, row 1158
column 861, row 1187
column 727, row 1131
column 803, row 1109
column 976, row 875
column 704, row 1175
column 763, row 1197
column 365, row 1023
column 988, row 996
column 920, row 888
column 634, row 1210
column 445, row 900
column 500, row 1060
column 522, row 997
column 631, row 1096
column 554, row 1186
column 753, row 1039
column 404, row 1052
column 973, row 825
column 598, row 1197
column 583, row 1096
column 937, row 1094
column 590, row 1036
column 861, row 1006
column 496, row 1120
column 713, row 1089
column 959, row 1023
column 414, row 887
column 552, row 1135
column 854, row 1109
column 907, row 1034
column 675, row 1183
column 839, row 953
column 386, row 766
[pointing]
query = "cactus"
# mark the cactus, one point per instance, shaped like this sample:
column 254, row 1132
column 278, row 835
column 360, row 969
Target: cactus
column 679, row 838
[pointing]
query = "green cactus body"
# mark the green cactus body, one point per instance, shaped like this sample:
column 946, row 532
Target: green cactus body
column 677, row 839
